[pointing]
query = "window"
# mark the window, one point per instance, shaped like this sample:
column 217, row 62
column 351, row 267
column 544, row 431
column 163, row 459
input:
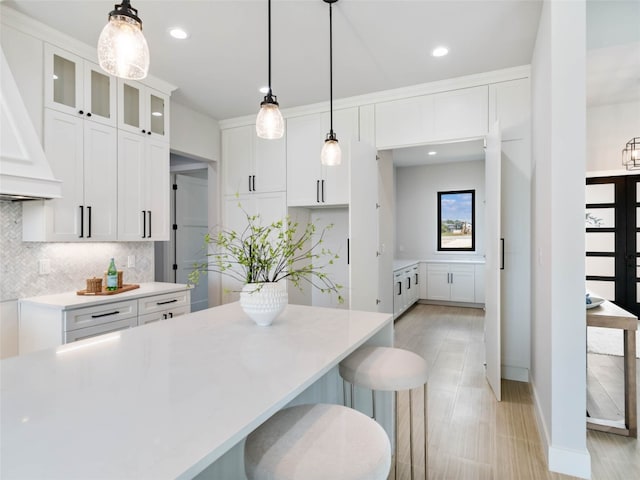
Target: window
column 456, row 216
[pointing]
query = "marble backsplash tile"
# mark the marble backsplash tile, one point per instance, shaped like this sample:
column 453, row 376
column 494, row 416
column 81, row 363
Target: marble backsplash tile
column 71, row 263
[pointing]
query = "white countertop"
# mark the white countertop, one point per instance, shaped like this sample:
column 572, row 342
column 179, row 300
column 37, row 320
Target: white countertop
column 400, row 263
column 70, row 300
column 166, row 399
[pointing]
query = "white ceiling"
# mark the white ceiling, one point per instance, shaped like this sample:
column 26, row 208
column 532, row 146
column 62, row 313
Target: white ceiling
column 378, row 45
column 445, row 153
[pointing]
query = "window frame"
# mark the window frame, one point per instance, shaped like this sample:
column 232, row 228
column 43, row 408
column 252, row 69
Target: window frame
column 473, row 221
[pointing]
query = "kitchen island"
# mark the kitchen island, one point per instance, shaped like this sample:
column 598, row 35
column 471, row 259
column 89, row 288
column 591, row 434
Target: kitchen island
column 168, row 399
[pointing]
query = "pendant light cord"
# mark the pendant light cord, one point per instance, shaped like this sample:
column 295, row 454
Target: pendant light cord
column 269, row 42
column 330, row 71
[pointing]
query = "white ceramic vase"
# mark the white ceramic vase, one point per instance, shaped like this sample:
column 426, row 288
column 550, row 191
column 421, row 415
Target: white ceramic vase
column 263, row 302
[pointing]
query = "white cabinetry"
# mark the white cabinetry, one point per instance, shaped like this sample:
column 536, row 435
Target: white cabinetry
column 309, row 183
column 428, row 118
column 83, row 155
column 479, row 284
column 451, row 282
column 162, row 307
column 78, row 87
column 509, row 103
column 406, row 281
column 252, row 164
column 143, row 110
column 51, row 321
column 143, row 188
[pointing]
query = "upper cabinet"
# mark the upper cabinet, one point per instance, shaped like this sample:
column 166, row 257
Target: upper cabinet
column 309, row 183
column 143, row 110
column 509, row 102
column 78, row 87
column 442, row 116
column 252, row 164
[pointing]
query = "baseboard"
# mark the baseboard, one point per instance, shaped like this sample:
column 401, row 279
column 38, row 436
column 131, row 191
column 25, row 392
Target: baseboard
column 576, row 463
column 450, row 304
column 518, row 374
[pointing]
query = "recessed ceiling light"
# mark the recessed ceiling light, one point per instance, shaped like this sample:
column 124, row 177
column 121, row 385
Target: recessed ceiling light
column 432, row 153
column 156, row 114
column 178, row 33
column 440, row 51
column 264, row 89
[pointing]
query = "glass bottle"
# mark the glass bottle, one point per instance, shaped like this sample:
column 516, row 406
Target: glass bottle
column 112, row 276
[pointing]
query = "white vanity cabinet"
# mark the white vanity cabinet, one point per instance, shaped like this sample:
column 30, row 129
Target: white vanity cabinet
column 251, row 164
column 309, row 183
column 453, row 282
column 53, row 320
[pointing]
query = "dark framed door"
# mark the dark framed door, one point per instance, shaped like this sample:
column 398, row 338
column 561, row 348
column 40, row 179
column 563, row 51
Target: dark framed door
column 611, row 223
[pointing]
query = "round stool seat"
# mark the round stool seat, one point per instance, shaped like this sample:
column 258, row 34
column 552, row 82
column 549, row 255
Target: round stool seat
column 318, row 442
column 384, row 368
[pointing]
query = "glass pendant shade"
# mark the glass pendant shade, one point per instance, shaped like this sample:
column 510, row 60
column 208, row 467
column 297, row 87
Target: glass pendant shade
column 122, row 48
column 331, row 154
column 269, row 123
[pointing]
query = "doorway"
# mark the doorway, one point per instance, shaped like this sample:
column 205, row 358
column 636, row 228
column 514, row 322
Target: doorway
column 611, row 239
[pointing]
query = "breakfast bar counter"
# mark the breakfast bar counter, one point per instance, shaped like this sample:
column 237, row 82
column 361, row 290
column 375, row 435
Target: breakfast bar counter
column 168, row 399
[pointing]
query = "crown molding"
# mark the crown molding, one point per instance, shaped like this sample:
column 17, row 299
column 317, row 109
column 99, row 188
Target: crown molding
column 29, row 26
column 457, row 83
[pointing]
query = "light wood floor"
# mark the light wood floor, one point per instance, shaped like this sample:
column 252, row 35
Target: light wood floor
column 471, row 436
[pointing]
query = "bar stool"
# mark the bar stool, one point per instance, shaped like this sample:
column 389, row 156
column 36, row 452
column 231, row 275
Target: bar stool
column 318, row 442
column 392, row 370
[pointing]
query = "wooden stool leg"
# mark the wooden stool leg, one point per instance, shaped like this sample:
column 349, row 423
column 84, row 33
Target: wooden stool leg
column 411, row 433
column 426, row 448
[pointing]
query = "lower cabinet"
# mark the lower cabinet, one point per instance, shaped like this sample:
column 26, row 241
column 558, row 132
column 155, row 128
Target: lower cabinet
column 451, row 282
column 45, row 325
column 406, row 284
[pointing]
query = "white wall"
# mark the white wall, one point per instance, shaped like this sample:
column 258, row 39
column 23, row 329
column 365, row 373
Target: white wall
column 609, row 128
column 194, row 134
column 417, row 207
column 559, row 138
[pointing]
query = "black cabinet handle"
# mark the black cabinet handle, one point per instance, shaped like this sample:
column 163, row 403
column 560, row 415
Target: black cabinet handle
column 322, row 191
column 408, row 283
column 170, row 314
column 149, row 212
column 144, row 131
column 415, row 282
column 168, row 301
column 348, row 251
column 149, row 132
column 81, row 112
column 249, row 178
column 89, row 210
column 105, row 314
column 317, row 191
column 164, row 316
column 399, row 288
column 88, row 114
column 81, row 221
column 502, row 254
column 144, row 224
column 253, row 182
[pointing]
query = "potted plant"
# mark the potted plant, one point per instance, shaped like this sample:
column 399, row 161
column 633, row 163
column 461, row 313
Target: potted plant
column 260, row 256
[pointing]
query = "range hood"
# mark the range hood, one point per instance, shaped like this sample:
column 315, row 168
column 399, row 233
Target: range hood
column 25, row 173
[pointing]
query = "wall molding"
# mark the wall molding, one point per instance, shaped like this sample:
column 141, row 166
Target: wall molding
column 517, row 374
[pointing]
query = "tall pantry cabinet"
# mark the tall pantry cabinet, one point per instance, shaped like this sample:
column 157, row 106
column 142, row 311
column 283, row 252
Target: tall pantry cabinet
column 80, row 141
column 107, row 140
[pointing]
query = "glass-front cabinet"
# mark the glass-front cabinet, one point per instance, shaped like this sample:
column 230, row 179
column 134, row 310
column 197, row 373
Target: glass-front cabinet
column 143, row 110
column 79, row 87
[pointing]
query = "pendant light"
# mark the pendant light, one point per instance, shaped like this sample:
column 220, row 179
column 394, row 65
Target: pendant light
column 331, row 154
column 269, row 123
column 122, row 48
column 631, row 154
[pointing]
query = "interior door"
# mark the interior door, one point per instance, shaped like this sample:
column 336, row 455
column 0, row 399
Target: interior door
column 191, row 218
column 492, row 265
column 363, row 228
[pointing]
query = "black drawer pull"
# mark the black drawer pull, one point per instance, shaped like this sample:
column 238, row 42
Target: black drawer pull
column 168, row 301
column 106, row 314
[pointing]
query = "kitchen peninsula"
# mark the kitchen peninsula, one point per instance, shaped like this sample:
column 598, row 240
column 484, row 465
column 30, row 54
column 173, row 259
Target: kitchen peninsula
column 168, row 399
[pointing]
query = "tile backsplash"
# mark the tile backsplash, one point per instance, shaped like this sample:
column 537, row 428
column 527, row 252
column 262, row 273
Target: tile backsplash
column 71, row 263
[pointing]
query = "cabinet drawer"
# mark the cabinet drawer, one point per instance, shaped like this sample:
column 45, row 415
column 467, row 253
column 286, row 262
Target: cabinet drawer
column 163, row 315
column 95, row 330
column 164, row 302
column 100, row 314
